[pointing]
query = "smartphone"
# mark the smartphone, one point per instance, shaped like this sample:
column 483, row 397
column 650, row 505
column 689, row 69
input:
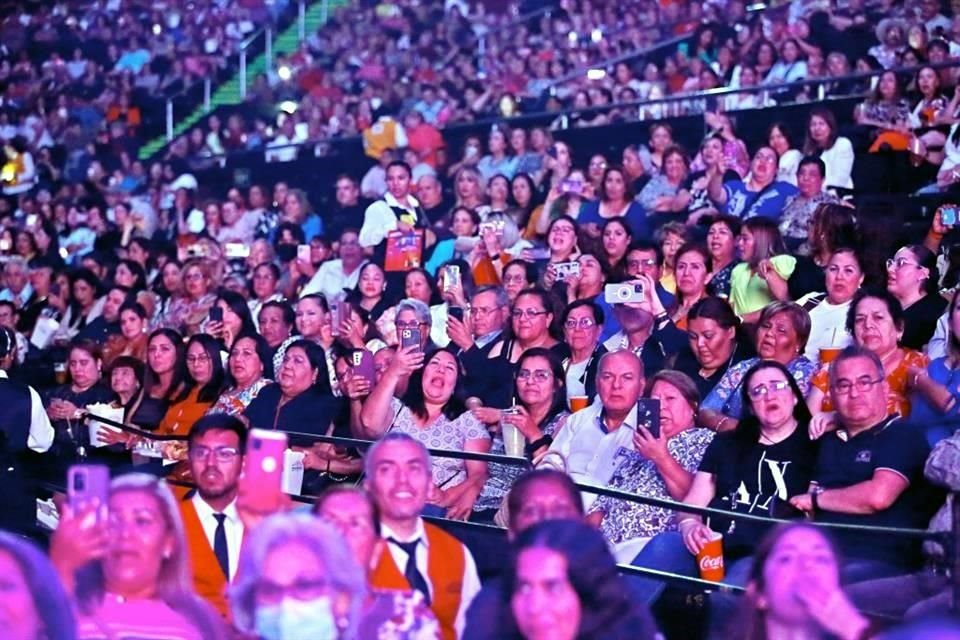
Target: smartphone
column 216, row 313
column 623, row 293
column 303, row 252
column 948, row 215
column 5, row 245
column 410, row 338
column 236, row 250
column 456, row 312
column 451, row 277
column 260, row 481
column 573, row 187
column 32, row 220
column 567, row 269
column 648, row 415
column 87, row 483
column 363, row 366
column 335, row 316
column 539, row 253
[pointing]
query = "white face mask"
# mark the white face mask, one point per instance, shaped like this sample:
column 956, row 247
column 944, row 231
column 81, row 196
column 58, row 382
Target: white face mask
column 293, row 619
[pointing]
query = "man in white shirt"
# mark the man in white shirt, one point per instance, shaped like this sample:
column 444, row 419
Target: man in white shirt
column 17, row 289
column 421, row 556
column 489, row 311
column 211, row 522
column 592, row 438
column 334, row 276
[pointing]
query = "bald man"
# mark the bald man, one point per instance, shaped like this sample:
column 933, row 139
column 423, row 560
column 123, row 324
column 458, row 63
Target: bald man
column 591, row 438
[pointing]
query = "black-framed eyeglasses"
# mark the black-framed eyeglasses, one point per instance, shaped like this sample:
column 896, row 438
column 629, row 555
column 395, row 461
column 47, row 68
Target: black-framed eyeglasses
column 863, row 385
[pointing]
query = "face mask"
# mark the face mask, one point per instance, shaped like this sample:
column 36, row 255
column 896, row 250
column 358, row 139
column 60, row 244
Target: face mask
column 297, row 620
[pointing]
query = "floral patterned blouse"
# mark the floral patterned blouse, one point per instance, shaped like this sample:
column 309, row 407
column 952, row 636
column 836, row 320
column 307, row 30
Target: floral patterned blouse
column 444, row 433
column 398, row 615
column 186, row 316
column 726, row 396
column 719, row 284
column 637, row 474
column 234, row 401
column 898, row 400
column 502, row 476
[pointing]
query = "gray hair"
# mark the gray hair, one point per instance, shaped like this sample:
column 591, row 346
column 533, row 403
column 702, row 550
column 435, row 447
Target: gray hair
column 388, row 437
column 420, row 310
column 601, row 364
column 853, row 352
column 499, row 293
column 328, row 546
column 15, row 261
column 175, row 582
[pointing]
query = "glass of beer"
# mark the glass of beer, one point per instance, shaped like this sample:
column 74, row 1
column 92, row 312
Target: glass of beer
column 578, row 402
column 60, row 372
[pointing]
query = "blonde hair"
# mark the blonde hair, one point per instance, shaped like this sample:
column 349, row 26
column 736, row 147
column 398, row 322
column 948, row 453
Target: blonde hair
column 175, row 581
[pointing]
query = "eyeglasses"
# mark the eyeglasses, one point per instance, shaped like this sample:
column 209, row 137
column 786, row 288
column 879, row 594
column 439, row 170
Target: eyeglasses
column 220, row 454
column 197, row 359
column 899, row 263
column 863, row 385
column 302, row 590
column 582, row 323
column 409, row 325
column 527, row 313
column 483, row 311
column 539, row 375
column 510, row 279
column 761, row 390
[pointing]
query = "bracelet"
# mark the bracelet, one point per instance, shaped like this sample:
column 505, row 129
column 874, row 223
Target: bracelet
column 681, row 523
column 532, row 447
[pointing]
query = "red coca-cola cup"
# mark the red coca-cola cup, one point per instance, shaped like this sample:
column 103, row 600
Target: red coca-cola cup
column 710, row 559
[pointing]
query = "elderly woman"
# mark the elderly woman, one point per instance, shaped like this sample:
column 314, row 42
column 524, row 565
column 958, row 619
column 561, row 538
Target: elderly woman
column 797, row 217
column 539, row 413
column 187, row 313
column 404, row 615
column 876, row 321
column 297, row 578
column 583, row 322
column 659, row 466
column 735, row 475
column 301, row 400
column 432, row 411
column 249, row 370
column 129, row 573
column 276, row 321
column 782, row 333
column 828, row 311
column 912, row 278
column 691, row 271
column 667, row 192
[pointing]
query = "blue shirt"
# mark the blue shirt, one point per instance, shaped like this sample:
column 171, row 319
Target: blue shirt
column 635, row 218
column 768, row 202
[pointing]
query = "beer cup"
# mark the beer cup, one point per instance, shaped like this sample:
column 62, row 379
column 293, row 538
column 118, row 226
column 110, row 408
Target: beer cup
column 578, row 402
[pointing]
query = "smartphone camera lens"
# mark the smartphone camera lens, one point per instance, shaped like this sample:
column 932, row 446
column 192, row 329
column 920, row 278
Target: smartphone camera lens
column 79, row 482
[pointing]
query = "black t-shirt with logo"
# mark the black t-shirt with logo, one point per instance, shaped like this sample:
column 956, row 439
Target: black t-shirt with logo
column 894, row 446
column 757, row 478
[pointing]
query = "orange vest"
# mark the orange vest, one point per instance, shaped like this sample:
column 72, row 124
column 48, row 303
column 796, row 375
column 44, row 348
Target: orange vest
column 446, row 562
column 208, row 578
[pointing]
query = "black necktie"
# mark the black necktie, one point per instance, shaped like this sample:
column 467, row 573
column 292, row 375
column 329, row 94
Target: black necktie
column 412, row 574
column 220, row 544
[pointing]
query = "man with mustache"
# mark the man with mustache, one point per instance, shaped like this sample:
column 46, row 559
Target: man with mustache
column 211, row 522
column 418, row 555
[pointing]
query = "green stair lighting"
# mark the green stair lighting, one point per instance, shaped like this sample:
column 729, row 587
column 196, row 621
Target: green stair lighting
column 229, row 92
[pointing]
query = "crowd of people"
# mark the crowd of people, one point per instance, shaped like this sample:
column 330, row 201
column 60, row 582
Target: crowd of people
column 708, row 327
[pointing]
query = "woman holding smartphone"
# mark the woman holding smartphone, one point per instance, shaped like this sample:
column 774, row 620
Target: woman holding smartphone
column 433, row 411
column 128, row 574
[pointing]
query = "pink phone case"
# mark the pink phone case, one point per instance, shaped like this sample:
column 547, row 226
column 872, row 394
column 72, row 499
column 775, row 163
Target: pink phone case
column 87, row 483
column 260, row 482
